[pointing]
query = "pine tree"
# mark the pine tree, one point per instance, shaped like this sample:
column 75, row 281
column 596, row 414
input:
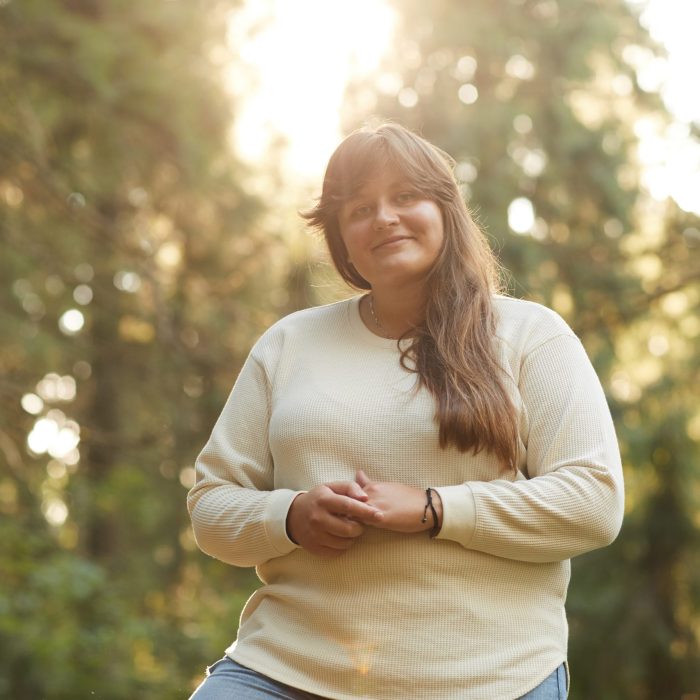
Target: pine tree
column 127, row 211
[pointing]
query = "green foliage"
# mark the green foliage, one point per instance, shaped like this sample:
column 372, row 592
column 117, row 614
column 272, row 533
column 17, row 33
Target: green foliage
column 121, row 202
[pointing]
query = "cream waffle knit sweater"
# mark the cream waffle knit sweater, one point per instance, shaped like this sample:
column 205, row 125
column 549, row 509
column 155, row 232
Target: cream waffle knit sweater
column 478, row 612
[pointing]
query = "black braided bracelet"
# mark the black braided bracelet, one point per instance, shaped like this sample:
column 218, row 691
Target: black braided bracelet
column 429, row 504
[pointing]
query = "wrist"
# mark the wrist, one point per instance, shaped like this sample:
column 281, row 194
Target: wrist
column 289, row 526
column 432, row 512
column 437, row 504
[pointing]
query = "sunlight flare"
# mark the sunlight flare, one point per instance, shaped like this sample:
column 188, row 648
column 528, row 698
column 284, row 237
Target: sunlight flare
column 304, row 57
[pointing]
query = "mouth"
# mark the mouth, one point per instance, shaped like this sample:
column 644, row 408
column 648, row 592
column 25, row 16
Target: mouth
column 390, row 241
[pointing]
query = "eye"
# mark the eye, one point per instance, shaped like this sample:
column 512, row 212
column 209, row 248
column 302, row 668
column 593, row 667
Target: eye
column 406, row 197
column 360, row 211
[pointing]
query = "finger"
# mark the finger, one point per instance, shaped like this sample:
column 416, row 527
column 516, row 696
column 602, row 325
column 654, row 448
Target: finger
column 349, row 489
column 341, row 526
column 342, row 543
column 351, row 508
column 362, row 479
column 329, row 541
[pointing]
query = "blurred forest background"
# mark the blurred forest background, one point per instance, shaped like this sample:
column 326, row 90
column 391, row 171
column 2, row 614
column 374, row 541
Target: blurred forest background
column 141, row 257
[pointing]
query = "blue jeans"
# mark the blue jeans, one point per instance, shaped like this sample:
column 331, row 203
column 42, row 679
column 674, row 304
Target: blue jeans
column 228, row 680
column 553, row 687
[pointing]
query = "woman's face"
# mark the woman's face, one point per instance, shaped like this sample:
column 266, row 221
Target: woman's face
column 392, row 233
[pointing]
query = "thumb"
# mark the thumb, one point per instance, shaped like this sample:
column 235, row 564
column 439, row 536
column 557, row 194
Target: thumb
column 361, row 478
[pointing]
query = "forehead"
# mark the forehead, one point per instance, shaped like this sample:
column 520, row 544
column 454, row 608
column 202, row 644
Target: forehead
column 385, row 177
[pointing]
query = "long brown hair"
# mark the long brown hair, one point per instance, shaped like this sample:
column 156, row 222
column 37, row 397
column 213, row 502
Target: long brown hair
column 453, row 351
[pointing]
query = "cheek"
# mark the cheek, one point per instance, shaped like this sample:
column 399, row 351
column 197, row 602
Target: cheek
column 430, row 216
column 437, row 218
column 352, row 240
column 439, row 227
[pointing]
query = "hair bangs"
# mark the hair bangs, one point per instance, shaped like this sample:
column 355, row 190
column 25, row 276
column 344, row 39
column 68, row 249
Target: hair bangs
column 358, row 159
column 364, row 154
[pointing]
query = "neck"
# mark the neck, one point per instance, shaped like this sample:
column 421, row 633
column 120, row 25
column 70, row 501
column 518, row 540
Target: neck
column 397, row 310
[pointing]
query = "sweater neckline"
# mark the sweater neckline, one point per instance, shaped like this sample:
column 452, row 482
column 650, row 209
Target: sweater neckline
column 360, row 330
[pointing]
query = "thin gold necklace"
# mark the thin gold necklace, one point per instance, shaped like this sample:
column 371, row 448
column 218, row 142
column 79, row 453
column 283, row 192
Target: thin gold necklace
column 374, row 316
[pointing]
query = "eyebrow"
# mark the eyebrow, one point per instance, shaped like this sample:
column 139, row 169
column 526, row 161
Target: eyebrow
column 396, row 184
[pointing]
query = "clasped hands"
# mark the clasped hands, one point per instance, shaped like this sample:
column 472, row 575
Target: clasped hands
column 328, row 519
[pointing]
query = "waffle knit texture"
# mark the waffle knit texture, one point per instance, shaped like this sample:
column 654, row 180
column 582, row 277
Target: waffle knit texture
column 474, row 614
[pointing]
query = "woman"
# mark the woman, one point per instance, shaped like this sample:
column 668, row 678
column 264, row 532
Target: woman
column 410, row 470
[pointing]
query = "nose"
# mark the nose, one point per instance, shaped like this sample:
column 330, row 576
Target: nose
column 385, row 215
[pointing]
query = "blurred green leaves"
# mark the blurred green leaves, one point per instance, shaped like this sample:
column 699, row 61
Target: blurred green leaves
column 133, row 266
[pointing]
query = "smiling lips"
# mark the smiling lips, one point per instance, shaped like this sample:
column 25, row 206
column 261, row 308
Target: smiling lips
column 391, row 239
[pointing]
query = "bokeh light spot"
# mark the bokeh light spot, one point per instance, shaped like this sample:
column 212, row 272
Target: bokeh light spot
column 519, row 67
column 521, row 215
column 127, row 281
column 468, row 94
column 71, row 322
column 55, row 511
column 33, row 404
column 82, row 294
column 408, row 97
column 187, row 477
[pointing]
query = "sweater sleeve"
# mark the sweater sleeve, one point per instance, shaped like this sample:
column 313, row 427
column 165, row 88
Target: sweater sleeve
column 237, row 515
column 573, row 501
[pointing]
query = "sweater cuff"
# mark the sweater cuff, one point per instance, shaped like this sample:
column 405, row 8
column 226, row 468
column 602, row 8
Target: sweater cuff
column 458, row 514
column 276, row 519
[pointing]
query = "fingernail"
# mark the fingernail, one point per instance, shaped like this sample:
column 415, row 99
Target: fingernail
column 379, row 515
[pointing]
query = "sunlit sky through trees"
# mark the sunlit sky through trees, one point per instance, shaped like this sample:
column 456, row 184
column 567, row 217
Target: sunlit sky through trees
column 302, row 55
